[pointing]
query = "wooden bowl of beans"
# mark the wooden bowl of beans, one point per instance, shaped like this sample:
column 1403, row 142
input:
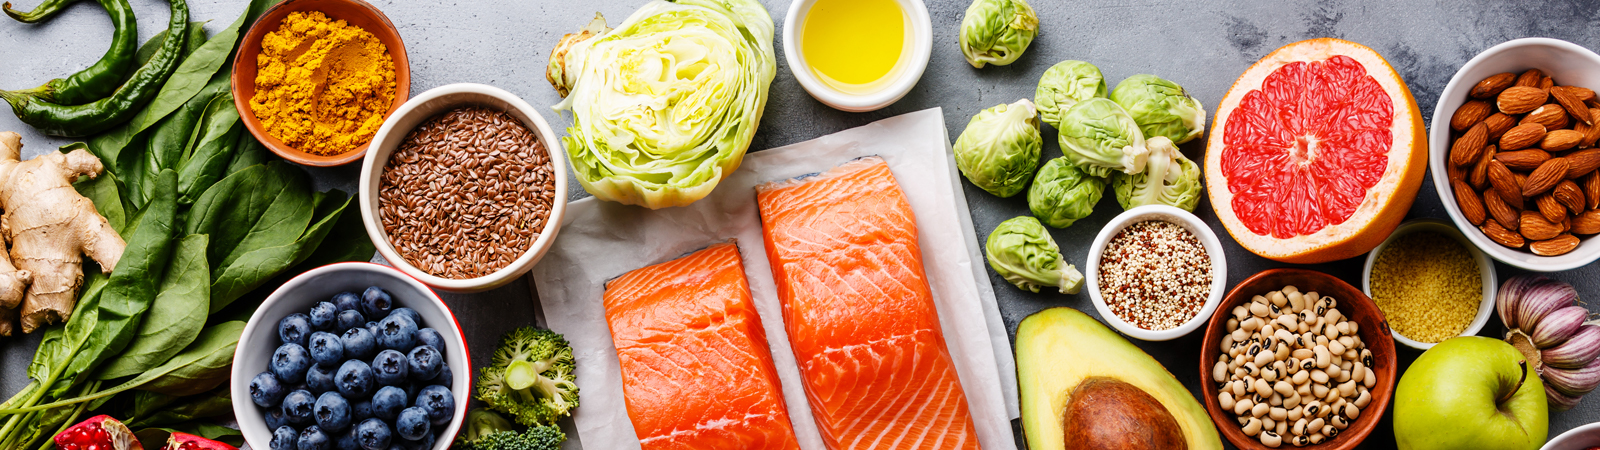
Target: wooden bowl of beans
column 1325, row 355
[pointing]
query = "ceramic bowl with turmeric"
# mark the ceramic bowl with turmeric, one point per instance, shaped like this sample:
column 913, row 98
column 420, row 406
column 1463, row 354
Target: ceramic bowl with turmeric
column 315, row 79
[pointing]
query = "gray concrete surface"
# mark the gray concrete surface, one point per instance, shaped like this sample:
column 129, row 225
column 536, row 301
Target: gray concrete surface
column 1202, row 44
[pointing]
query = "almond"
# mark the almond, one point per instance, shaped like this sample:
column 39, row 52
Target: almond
column 1582, row 93
column 1583, row 162
column 1471, row 113
column 1545, row 177
column 1471, row 205
column 1534, row 226
column 1522, row 136
column 1591, row 190
column 1525, row 160
column 1551, row 115
column 1559, row 140
column 1569, row 101
column 1547, row 83
column 1560, row 245
column 1586, row 223
column 1479, row 177
column 1505, row 184
column 1570, row 196
column 1520, row 99
column 1498, row 124
column 1490, row 87
column 1550, row 208
column 1501, row 235
column 1530, row 78
column 1499, row 211
column 1467, row 148
column 1590, row 133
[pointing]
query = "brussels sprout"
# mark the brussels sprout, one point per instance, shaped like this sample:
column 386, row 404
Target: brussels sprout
column 1062, row 194
column 1161, row 107
column 1000, row 148
column 1022, row 252
column 1169, row 179
column 1066, row 84
column 997, row 31
column 1101, row 138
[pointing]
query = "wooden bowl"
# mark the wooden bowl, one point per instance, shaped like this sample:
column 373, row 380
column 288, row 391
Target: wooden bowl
column 355, row 12
column 1374, row 331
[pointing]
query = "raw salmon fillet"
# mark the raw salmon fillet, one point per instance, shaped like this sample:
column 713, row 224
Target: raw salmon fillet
column 696, row 372
column 860, row 315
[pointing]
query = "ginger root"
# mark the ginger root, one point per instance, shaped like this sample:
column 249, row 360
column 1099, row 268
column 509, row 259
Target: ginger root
column 49, row 226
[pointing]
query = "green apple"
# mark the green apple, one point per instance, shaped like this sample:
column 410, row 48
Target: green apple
column 1470, row 393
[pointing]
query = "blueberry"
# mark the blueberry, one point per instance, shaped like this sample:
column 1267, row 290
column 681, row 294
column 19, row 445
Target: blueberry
column 359, row 343
column 319, row 379
column 375, row 303
column 326, row 349
column 322, row 315
column 274, row 418
column 283, row 438
column 349, row 319
column 424, row 363
column 297, row 407
column 332, row 412
column 354, row 379
column 312, row 438
column 373, row 434
column 445, row 378
column 412, row 424
column 289, row 363
column 347, row 301
column 360, row 411
column 266, row 391
column 431, row 337
column 408, row 312
column 438, row 403
column 347, row 440
column 387, row 403
column 294, row 329
column 389, row 367
column 398, row 333
column 426, row 443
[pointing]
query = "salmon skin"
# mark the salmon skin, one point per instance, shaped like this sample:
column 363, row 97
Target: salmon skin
column 860, row 315
column 696, row 372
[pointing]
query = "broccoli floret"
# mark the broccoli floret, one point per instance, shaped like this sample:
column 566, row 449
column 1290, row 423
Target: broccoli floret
column 488, row 431
column 530, row 377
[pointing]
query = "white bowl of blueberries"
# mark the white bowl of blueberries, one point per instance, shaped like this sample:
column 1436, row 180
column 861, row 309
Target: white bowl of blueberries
column 351, row 356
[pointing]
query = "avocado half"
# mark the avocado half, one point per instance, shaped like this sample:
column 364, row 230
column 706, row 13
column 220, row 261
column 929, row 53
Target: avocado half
column 1126, row 398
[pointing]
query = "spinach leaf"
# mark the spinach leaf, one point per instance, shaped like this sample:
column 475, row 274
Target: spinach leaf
column 260, row 264
column 251, row 212
column 347, row 241
column 145, row 404
column 176, row 315
column 170, row 138
column 217, row 402
column 211, row 152
column 247, row 152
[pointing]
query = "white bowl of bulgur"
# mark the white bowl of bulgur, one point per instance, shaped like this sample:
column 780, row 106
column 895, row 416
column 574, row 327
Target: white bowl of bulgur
column 1156, row 273
column 1426, row 286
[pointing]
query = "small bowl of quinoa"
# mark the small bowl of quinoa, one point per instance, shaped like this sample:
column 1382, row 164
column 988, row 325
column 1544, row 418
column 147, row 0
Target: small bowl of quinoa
column 1431, row 283
column 1156, row 273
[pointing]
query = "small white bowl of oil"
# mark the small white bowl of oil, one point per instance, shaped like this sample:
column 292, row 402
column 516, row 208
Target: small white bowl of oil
column 858, row 55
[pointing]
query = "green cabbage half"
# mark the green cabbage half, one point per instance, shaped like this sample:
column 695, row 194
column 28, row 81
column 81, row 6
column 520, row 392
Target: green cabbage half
column 665, row 104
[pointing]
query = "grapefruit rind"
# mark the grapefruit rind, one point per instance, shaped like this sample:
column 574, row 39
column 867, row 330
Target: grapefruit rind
column 1386, row 202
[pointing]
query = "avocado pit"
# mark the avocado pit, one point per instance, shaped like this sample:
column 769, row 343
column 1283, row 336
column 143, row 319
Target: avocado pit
column 1109, row 414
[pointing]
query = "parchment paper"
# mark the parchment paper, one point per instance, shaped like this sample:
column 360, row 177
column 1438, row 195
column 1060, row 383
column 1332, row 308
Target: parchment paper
column 602, row 240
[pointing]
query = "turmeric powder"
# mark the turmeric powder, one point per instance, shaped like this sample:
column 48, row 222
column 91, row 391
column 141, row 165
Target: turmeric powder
column 323, row 86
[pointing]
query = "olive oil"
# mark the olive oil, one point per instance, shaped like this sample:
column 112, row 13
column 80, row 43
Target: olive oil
column 854, row 45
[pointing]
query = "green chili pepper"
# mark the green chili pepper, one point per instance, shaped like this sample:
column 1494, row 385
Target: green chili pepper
column 82, row 120
column 44, row 11
column 101, row 79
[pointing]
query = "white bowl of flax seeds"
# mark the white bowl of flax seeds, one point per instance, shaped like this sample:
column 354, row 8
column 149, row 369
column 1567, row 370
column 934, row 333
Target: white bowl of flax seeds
column 460, row 187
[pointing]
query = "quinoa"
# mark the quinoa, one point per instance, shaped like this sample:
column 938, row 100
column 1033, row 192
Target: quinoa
column 1427, row 285
column 1155, row 275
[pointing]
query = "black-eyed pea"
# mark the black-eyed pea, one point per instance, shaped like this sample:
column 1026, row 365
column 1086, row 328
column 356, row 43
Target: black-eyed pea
column 1220, row 371
column 1330, row 431
column 1282, row 368
column 1352, row 411
column 1319, row 391
column 1241, row 334
column 1268, row 424
column 1302, row 377
column 1282, row 352
column 1350, row 354
column 1271, row 439
column 1277, row 296
column 1283, row 388
column 1302, row 441
column 1347, row 389
column 1346, row 340
column 1318, row 438
column 1286, row 322
column 1259, row 309
column 1347, row 365
column 1335, row 348
column 1299, row 427
column 1252, row 426
column 1240, row 312
column 1250, row 325
column 1338, row 421
column 1333, row 371
column 1297, row 413
column 1291, row 400
column 1355, row 329
column 1323, row 356
column 1278, row 414
column 1369, row 379
column 1242, row 420
column 1344, row 329
column 1251, row 368
column 1238, row 389
column 1315, row 425
column 1243, row 406
column 1304, row 390
column 1283, row 427
column 1303, row 353
column 1260, row 409
column 1290, row 288
column 1225, row 400
column 1270, row 374
column 1333, row 395
column 1275, row 400
column 1319, row 377
column 1233, row 324
column 1344, row 375
column 1295, row 298
column 1264, row 359
column 1362, row 400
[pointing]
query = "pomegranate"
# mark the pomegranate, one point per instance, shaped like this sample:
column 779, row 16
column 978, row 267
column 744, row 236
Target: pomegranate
column 186, row 441
column 98, row 433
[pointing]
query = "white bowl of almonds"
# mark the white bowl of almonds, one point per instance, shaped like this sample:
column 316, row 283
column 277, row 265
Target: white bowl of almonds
column 1156, row 273
column 1515, row 168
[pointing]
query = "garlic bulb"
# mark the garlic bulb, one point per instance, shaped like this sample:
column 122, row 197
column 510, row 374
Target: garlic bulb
column 1554, row 332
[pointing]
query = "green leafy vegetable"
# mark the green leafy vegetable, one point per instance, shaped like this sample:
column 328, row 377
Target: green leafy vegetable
column 1065, row 84
column 1062, row 194
column 530, row 377
column 204, row 363
column 216, row 403
column 1000, row 148
column 1022, row 252
column 1169, row 179
column 1161, row 107
column 665, row 105
column 176, row 315
column 1101, row 138
column 997, row 31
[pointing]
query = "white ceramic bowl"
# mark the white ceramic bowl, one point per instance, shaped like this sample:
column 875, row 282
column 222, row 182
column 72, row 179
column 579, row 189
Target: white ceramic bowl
column 260, row 336
column 1568, row 64
column 1580, row 438
column 437, row 101
column 1485, row 272
column 913, row 60
column 1185, row 219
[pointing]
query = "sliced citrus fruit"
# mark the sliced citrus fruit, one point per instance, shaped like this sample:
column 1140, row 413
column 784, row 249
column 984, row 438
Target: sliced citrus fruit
column 1316, row 153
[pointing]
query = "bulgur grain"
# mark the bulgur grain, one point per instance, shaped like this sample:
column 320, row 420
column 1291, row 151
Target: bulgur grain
column 1427, row 285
